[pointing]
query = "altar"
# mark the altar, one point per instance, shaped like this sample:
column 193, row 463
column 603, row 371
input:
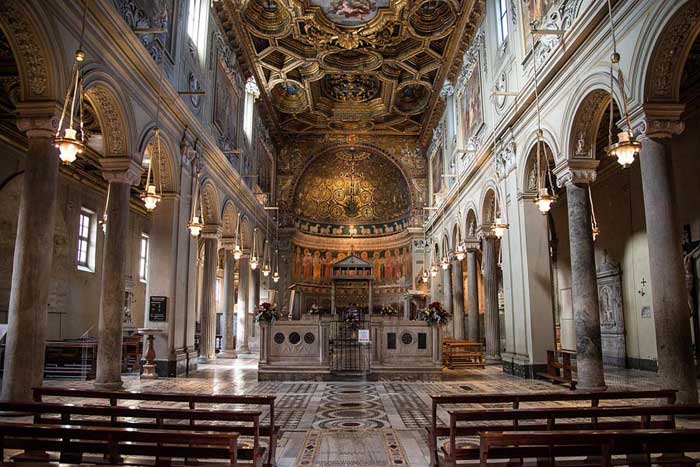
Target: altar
column 353, row 340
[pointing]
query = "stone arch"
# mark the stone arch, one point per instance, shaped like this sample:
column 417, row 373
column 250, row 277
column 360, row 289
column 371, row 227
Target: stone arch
column 488, row 199
column 38, row 67
column 229, row 219
column 529, row 169
column 211, row 203
column 246, row 232
column 471, row 221
column 456, row 234
column 166, row 166
column 112, row 110
column 663, row 68
column 585, row 110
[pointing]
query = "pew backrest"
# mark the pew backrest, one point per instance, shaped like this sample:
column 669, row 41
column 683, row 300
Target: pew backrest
column 115, row 442
column 192, row 400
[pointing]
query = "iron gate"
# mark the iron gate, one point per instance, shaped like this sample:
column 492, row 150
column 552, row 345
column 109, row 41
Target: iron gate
column 350, row 342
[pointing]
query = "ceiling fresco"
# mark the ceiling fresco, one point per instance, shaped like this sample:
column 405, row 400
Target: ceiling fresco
column 351, row 66
column 352, row 192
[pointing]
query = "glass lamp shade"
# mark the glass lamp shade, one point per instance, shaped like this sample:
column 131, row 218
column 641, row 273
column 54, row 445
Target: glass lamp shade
column 626, row 148
column 426, row 275
column 195, row 226
column 433, row 271
column 499, row 228
column 460, row 253
column 445, row 263
column 69, row 146
column 150, row 197
column 237, row 253
column 266, row 270
column 275, row 277
column 544, row 200
column 253, row 263
column 595, row 231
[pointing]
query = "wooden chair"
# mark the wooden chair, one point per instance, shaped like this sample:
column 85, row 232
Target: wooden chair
column 559, row 371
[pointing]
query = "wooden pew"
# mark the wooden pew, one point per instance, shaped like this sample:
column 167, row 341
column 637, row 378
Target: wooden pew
column 515, row 399
column 462, row 354
column 553, row 445
column 245, row 423
column 270, row 431
column 557, row 419
column 72, row 442
column 559, row 372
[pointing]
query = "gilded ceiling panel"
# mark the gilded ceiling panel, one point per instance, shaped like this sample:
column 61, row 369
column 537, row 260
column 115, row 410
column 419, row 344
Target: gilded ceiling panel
column 351, row 66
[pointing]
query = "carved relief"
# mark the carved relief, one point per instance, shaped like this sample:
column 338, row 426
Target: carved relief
column 666, row 65
column 27, row 46
column 585, row 127
column 112, row 124
column 612, row 317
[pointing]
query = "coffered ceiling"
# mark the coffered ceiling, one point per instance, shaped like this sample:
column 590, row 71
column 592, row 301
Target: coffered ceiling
column 351, row 66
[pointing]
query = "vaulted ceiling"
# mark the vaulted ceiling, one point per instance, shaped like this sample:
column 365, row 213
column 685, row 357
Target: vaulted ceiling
column 351, row 66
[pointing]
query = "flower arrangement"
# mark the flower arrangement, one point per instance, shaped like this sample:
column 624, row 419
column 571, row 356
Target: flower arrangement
column 434, row 314
column 389, row 310
column 267, row 313
column 314, row 310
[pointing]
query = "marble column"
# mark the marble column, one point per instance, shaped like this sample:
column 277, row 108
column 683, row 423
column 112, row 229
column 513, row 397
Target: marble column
column 584, row 287
column 242, row 308
column 458, row 299
column 120, row 173
column 227, row 348
column 447, row 296
column 253, row 303
column 492, row 322
column 31, row 269
column 668, row 289
column 472, row 297
column 207, row 317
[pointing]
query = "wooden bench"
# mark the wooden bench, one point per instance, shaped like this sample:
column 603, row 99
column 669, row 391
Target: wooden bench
column 458, row 354
column 71, row 359
column 132, row 350
column 73, row 442
column 559, row 371
column 245, row 423
column 270, row 431
column 515, row 399
column 553, row 445
column 556, row 419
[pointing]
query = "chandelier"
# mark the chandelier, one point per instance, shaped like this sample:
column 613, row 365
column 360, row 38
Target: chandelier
column 195, row 225
column 237, row 252
column 627, row 147
column 151, row 195
column 499, row 226
column 543, row 199
column 253, row 254
column 67, row 140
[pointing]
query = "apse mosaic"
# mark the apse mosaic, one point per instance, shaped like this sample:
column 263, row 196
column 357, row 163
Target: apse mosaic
column 353, row 188
column 389, row 266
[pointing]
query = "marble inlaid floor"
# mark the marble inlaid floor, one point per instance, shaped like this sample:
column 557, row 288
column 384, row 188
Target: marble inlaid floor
column 359, row 424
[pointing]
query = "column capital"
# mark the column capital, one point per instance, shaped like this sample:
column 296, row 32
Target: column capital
column 576, row 171
column 657, row 121
column 38, row 119
column 485, row 231
column 228, row 242
column 211, row 231
column 121, row 170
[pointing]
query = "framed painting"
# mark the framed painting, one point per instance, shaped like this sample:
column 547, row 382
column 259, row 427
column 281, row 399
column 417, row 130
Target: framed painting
column 350, row 12
column 471, row 105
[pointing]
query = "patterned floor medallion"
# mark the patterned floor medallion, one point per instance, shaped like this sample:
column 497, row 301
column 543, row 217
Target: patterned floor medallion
column 351, row 448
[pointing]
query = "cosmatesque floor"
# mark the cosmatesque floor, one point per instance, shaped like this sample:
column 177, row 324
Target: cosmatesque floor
column 358, row 424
